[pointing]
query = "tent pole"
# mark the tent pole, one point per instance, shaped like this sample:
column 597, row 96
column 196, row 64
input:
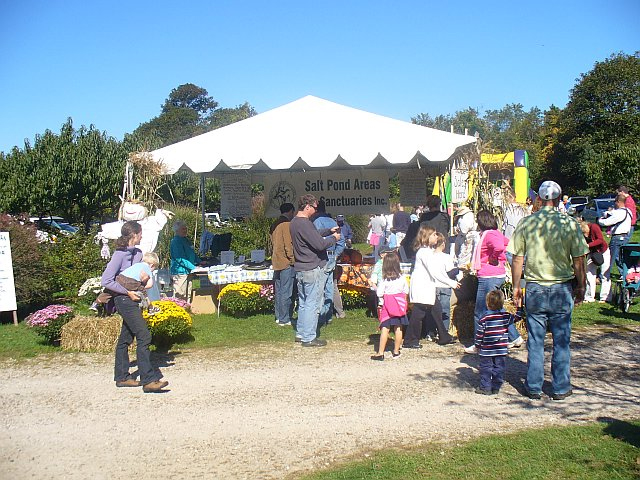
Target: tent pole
column 204, row 225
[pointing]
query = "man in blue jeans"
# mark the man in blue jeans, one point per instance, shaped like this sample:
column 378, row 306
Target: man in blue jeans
column 310, row 252
column 282, row 260
column 619, row 220
column 323, row 221
column 555, row 276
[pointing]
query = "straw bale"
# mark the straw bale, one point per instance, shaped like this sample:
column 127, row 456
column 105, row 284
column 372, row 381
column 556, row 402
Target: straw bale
column 91, row 334
column 461, row 324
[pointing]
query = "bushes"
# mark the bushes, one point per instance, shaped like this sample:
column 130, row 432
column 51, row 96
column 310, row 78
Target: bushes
column 32, row 280
column 170, row 322
column 245, row 299
column 49, row 321
column 353, row 297
column 70, row 261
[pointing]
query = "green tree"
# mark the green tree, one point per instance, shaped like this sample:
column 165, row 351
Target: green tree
column 598, row 135
column 77, row 174
column 189, row 111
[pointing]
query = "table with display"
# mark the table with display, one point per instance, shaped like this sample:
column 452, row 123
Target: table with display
column 205, row 283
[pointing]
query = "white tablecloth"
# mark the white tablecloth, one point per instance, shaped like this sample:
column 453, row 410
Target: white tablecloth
column 233, row 275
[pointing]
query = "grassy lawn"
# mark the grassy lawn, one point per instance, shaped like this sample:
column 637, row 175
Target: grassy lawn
column 598, row 451
column 210, row 331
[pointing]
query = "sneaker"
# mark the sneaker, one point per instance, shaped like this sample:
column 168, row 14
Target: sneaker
column 589, row 300
column 298, row 340
column 532, row 395
column 495, row 391
column 281, row 324
column 378, row 358
column 561, row 396
column 154, row 387
column 417, row 346
column 152, row 310
column 316, row 342
column 94, row 307
column 449, row 341
column 517, row 343
column 482, row 391
column 129, row 382
column 396, row 355
column 472, row 349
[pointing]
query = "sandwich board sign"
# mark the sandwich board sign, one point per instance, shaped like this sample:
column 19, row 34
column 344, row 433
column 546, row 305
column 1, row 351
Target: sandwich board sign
column 7, row 285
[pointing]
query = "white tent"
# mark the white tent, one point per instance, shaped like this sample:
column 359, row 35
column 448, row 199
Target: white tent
column 312, row 133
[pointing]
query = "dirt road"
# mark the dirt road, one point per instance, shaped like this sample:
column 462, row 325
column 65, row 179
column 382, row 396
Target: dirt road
column 264, row 412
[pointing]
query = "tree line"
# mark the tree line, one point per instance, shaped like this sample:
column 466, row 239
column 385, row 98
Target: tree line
column 589, row 147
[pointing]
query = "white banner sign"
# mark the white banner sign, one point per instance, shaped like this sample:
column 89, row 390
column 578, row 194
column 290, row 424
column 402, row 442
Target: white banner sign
column 235, row 195
column 7, row 285
column 459, row 185
column 344, row 192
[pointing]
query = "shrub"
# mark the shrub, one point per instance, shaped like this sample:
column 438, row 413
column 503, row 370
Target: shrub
column 48, row 322
column 170, row 322
column 353, row 297
column 71, row 260
column 244, row 299
column 32, row 280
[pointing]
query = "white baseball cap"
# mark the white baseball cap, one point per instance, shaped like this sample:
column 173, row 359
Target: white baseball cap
column 549, row 190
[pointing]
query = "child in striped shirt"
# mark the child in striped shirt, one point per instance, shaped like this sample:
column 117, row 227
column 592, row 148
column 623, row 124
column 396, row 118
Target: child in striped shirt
column 491, row 343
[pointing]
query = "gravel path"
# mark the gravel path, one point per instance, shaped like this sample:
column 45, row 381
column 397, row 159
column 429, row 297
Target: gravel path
column 267, row 411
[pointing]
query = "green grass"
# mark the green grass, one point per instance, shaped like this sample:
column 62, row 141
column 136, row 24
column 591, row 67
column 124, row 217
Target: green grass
column 20, row 341
column 225, row 331
column 599, row 451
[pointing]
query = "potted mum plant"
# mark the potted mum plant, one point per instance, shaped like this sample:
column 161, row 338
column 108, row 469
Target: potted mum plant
column 48, row 322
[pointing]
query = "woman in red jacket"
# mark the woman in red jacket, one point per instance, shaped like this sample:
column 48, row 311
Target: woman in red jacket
column 598, row 245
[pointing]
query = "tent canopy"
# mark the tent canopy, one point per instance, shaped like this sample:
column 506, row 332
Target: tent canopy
column 312, row 133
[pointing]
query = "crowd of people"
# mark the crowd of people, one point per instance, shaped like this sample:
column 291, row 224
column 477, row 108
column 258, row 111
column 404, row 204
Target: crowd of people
column 543, row 248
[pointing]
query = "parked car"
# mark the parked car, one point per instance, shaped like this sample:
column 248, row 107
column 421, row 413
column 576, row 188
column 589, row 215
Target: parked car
column 54, row 224
column 577, row 204
column 595, row 209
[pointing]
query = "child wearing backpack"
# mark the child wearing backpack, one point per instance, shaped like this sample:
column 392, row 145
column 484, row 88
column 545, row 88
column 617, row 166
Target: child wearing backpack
column 392, row 294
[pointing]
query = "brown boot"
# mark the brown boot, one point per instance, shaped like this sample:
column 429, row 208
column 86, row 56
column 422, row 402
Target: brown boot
column 153, row 387
column 129, row 382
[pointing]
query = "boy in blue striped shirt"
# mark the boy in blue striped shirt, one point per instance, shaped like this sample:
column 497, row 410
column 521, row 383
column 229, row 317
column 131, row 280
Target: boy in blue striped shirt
column 491, row 343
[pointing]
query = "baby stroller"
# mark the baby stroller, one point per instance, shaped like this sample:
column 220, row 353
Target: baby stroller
column 630, row 276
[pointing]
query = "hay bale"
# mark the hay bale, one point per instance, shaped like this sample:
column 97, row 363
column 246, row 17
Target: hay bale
column 462, row 319
column 91, row 334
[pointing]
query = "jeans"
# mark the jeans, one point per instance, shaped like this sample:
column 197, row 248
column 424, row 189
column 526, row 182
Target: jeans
column 444, row 296
column 133, row 325
column 310, row 292
column 605, row 287
column 283, row 285
column 326, row 304
column 492, row 372
column 616, row 242
column 421, row 315
column 551, row 306
column 485, row 285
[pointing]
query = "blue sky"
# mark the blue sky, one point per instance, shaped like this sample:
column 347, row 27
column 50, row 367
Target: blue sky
column 112, row 64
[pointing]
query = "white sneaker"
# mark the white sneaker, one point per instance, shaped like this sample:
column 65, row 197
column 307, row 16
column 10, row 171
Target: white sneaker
column 589, row 300
column 517, row 343
column 471, row 349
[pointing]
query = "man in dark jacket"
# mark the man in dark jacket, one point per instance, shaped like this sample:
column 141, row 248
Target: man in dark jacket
column 433, row 217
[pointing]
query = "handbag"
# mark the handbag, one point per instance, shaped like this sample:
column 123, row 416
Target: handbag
column 395, row 305
column 597, row 258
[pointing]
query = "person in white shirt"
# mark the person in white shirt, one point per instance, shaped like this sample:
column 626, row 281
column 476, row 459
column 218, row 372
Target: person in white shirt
column 440, row 268
column 422, row 295
column 465, row 223
column 620, row 222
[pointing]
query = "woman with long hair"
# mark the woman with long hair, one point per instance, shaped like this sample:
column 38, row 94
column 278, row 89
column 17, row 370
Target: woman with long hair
column 425, row 307
column 488, row 262
column 134, row 326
